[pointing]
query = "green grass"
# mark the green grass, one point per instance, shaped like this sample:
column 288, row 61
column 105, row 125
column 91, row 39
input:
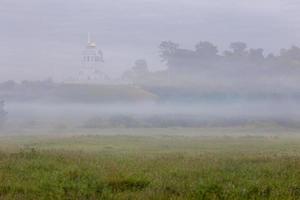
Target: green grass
column 149, row 167
column 100, row 93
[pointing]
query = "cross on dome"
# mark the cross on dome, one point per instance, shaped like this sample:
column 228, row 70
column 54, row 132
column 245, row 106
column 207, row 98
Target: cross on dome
column 90, row 43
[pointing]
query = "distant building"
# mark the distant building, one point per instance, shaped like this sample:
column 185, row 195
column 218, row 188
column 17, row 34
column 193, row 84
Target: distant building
column 92, row 64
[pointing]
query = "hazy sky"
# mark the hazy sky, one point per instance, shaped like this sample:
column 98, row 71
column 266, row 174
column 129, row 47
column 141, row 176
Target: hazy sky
column 44, row 38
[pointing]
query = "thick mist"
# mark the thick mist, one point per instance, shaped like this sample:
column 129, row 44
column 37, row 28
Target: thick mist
column 148, row 64
column 42, row 39
column 149, row 99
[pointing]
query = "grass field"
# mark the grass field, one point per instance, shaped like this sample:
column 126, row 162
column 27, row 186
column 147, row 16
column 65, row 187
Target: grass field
column 153, row 166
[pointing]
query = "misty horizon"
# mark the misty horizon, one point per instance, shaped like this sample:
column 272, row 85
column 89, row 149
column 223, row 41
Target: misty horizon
column 41, row 41
column 150, row 99
column 211, row 59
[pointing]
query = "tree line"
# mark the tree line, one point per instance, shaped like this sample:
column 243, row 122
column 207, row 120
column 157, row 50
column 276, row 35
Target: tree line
column 207, row 54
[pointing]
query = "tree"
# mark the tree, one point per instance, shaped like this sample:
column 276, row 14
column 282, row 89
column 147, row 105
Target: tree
column 292, row 53
column 206, row 49
column 256, row 55
column 167, row 50
column 140, row 67
column 290, row 57
column 238, row 51
column 139, row 70
column 238, row 47
column 8, row 85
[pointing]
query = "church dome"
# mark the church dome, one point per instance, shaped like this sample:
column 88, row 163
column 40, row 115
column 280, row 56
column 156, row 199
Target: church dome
column 92, row 45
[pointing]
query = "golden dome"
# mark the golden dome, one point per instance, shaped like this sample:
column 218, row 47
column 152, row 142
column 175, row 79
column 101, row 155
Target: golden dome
column 92, row 44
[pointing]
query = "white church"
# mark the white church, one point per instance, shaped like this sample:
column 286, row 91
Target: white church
column 92, row 66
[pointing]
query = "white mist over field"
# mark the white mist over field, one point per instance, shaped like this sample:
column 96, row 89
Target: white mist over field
column 149, row 99
column 166, row 63
column 151, row 115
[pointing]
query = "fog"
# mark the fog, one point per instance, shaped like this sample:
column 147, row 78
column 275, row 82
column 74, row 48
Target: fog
column 28, row 116
column 148, row 63
column 41, row 39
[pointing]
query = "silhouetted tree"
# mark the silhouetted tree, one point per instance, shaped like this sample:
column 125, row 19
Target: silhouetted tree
column 256, row 55
column 291, row 54
column 140, row 67
column 167, row 50
column 8, row 85
column 206, row 49
column 205, row 55
column 238, row 52
column 138, row 71
column 239, row 48
column 178, row 58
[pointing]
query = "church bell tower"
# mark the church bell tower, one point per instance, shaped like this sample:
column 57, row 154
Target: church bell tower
column 92, row 64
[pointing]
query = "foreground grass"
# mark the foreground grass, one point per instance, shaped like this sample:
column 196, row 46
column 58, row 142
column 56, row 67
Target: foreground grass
column 150, row 167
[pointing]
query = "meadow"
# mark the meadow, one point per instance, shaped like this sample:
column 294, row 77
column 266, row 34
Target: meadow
column 224, row 163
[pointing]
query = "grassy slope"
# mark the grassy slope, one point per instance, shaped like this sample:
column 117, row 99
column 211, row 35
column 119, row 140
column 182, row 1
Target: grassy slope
column 150, row 167
column 77, row 93
column 100, row 93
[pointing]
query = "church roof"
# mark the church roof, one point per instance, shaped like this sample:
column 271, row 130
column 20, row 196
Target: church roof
column 92, row 45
